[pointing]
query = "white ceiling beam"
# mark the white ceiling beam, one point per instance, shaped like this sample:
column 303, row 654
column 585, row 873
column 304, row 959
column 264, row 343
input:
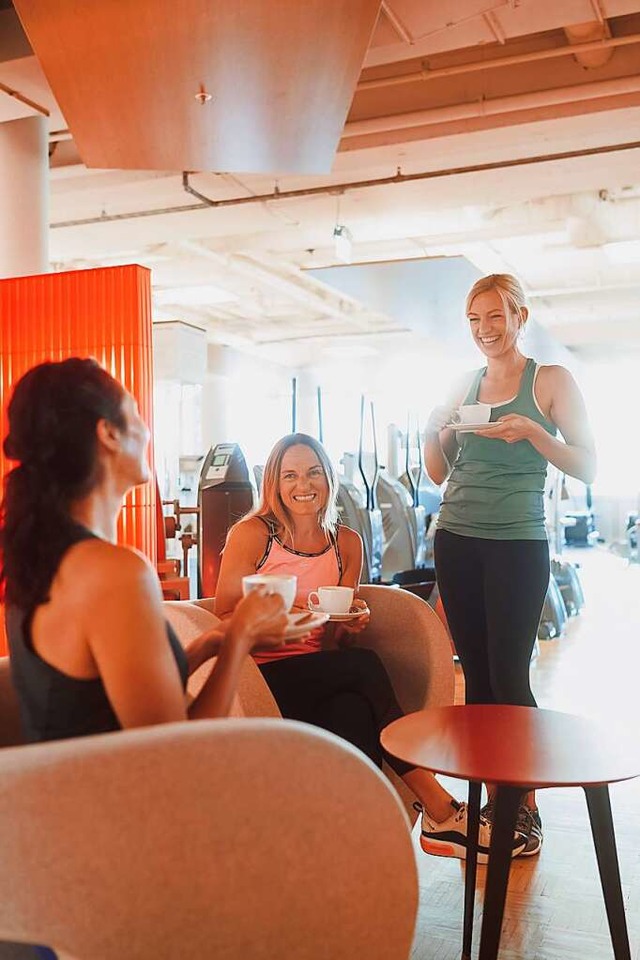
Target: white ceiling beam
column 291, row 283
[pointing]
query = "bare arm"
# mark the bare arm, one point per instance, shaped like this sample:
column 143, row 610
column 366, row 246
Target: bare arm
column 350, row 546
column 441, row 444
column 245, row 546
column 440, row 451
column 205, row 646
column 127, row 638
column 258, row 619
column 577, row 455
column 128, row 642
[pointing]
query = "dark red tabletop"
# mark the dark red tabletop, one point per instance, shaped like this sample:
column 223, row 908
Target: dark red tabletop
column 521, row 746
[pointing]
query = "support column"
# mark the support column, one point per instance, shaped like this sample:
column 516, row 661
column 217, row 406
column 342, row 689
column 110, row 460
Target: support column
column 104, row 313
column 24, row 197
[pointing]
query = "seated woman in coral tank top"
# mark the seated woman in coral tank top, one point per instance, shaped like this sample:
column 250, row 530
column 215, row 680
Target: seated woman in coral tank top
column 327, row 680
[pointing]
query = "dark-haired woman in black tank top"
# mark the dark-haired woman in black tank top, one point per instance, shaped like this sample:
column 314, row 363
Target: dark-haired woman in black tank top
column 90, row 649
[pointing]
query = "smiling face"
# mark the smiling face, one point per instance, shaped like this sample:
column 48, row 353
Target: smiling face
column 494, row 328
column 302, row 484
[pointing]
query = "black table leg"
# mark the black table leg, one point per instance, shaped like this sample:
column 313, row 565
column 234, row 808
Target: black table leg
column 506, row 813
column 604, row 841
column 473, row 825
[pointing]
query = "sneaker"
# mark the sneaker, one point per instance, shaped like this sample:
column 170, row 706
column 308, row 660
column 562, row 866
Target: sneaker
column 529, row 825
column 449, row 837
column 488, row 811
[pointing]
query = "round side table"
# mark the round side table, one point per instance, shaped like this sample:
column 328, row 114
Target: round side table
column 518, row 749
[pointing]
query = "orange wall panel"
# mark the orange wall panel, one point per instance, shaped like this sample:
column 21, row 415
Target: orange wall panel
column 103, row 313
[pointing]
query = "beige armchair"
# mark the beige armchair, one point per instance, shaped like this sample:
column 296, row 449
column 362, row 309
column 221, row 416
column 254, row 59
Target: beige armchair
column 405, row 632
column 235, row 839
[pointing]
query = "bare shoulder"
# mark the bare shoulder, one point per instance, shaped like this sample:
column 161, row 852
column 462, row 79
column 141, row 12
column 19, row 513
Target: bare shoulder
column 95, row 563
column 554, row 383
column 250, row 533
column 348, row 538
column 554, row 374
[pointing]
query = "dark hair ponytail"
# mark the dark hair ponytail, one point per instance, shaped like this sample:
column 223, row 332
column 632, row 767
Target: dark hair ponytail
column 52, row 414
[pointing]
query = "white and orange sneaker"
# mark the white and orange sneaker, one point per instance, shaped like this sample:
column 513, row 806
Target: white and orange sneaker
column 449, row 837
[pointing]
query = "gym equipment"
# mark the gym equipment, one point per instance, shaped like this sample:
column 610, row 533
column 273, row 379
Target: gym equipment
column 582, row 532
column 404, row 558
column 566, row 576
column 361, row 512
column 554, row 613
column 226, row 492
column 403, row 527
column 424, row 493
column 564, row 572
column 632, row 532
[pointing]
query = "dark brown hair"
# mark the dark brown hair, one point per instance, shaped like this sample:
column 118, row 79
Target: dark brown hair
column 52, row 416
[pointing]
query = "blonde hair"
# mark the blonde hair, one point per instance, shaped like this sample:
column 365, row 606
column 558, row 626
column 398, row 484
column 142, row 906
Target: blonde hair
column 271, row 506
column 510, row 290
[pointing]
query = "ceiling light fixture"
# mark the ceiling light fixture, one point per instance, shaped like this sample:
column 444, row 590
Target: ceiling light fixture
column 343, row 242
column 202, row 96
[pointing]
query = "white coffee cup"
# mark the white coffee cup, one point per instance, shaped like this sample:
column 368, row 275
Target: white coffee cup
column 331, row 599
column 474, row 412
column 284, row 584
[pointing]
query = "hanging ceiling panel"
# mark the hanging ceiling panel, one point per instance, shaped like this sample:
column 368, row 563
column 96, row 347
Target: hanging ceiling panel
column 129, row 78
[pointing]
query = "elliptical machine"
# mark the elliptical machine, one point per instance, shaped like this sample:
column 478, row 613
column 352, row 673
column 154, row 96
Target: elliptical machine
column 363, row 514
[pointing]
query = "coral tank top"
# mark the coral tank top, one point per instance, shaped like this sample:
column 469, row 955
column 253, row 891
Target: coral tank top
column 313, row 570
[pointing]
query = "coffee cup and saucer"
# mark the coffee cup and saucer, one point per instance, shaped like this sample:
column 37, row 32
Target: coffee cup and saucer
column 472, row 416
column 300, row 623
column 336, row 602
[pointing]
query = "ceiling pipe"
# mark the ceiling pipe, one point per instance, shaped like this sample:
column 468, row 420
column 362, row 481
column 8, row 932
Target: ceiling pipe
column 599, row 15
column 493, row 23
column 56, row 136
column 26, row 100
column 533, row 57
column 397, row 23
column 619, row 86
column 339, row 188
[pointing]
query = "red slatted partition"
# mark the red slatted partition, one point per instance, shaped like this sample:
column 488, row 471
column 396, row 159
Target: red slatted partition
column 105, row 314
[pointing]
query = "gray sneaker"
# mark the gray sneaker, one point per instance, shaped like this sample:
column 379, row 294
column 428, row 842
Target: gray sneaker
column 530, row 825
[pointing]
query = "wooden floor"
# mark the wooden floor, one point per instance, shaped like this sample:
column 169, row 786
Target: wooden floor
column 554, row 907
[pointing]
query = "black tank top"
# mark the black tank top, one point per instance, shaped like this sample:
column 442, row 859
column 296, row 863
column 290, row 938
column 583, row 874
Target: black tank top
column 54, row 705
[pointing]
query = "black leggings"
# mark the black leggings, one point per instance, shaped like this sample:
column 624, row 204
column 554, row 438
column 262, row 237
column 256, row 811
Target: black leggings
column 493, row 592
column 347, row 692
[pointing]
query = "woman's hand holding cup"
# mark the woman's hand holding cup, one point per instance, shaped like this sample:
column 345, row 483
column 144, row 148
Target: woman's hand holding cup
column 259, row 620
column 345, row 634
column 331, row 600
column 439, row 418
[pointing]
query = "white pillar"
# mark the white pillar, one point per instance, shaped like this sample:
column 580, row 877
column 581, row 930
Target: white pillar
column 24, row 197
column 215, row 398
column 307, row 405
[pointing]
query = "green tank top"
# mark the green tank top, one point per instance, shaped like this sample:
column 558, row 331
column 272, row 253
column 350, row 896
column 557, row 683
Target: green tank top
column 496, row 489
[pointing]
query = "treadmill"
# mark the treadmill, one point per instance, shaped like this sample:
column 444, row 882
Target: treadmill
column 226, row 492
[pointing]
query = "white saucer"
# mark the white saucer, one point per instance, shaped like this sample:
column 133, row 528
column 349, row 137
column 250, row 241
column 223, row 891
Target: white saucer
column 341, row 617
column 468, row 427
column 298, row 629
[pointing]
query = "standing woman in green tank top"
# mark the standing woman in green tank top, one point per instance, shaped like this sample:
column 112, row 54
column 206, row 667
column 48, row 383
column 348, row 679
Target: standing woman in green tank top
column 491, row 550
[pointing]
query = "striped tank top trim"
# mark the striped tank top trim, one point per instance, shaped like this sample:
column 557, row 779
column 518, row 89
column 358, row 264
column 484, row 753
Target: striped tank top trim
column 274, row 538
